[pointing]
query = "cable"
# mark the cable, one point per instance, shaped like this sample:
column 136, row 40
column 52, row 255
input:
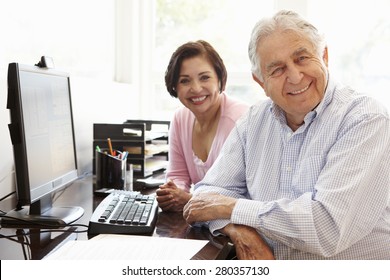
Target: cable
column 46, row 225
column 47, row 228
column 3, row 213
column 21, row 238
column 1, row 199
column 10, row 237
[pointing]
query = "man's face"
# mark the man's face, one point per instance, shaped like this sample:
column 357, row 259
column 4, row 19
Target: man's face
column 295, row 77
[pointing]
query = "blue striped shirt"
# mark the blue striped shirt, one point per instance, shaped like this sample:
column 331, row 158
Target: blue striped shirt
column 321, row 192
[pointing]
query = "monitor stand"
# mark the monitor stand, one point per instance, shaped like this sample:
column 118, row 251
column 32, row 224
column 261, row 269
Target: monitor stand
column 41, row 214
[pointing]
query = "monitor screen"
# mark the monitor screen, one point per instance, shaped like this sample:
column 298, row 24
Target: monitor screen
column 42, row 134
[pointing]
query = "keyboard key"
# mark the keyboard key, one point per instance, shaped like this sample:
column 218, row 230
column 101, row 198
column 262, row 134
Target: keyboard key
column 117, row 212
column 130, row 215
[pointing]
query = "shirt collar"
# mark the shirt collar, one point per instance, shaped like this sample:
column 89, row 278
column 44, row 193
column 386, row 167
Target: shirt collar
column 328, row 96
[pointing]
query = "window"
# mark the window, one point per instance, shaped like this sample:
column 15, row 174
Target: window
column 225, row 24
column 358, row 37
column 132, row 41
column 78, row 35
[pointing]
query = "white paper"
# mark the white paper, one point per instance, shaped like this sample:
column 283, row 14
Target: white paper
column 128, row 247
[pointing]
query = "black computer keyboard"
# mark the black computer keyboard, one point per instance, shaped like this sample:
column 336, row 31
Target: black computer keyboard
column 124, row 212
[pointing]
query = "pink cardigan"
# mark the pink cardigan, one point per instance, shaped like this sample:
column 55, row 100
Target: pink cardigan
column 184, row 167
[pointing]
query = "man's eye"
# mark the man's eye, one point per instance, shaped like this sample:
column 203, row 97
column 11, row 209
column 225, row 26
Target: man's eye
column 277, row 72
column 302, row 58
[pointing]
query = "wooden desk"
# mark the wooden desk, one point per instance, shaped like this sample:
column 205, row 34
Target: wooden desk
column 80, row 193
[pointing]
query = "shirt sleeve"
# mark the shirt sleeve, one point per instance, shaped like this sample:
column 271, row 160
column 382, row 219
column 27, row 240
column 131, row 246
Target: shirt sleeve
column 177, row 167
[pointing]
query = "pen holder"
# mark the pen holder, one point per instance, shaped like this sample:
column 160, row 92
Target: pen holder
column 110, row 170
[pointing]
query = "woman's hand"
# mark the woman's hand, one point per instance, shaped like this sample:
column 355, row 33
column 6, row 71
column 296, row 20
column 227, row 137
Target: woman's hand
column 172, row 198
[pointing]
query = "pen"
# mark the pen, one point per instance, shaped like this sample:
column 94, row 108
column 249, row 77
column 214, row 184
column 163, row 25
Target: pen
column 110, row 146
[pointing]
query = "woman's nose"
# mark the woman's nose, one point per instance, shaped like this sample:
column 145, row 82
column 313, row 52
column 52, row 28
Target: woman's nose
column 196, row 87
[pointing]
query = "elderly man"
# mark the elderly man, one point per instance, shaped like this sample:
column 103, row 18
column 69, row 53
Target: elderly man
column 306, row 174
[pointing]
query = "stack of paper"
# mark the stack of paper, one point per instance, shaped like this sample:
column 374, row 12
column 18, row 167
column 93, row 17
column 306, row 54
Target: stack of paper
column 128, row 247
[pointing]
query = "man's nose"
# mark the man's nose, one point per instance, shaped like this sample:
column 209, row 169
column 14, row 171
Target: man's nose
column 294, row 74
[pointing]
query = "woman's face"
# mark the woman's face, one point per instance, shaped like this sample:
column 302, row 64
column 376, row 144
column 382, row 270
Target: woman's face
column 198, row 87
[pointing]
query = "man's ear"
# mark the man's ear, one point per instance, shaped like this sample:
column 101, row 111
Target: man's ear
column 257, row 80
column 325, row 56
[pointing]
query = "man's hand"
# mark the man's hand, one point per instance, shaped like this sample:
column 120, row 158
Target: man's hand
column 172, row 198
column 208, row 206
column 248, row 243
column 211, row 206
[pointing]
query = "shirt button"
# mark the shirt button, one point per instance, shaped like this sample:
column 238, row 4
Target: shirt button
column 289, row 134
column 288, row 168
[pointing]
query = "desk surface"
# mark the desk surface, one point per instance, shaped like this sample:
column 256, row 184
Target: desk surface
column 39, row 243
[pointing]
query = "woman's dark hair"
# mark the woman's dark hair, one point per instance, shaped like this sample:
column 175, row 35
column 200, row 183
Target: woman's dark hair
column 189, row 50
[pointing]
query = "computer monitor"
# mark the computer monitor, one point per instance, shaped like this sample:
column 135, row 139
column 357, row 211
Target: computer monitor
column 42, row 135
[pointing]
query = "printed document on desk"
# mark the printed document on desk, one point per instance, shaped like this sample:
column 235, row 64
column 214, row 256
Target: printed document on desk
column 128, row 247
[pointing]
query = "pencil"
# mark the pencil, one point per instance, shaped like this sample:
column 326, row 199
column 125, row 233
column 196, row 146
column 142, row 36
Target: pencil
column 110, row 146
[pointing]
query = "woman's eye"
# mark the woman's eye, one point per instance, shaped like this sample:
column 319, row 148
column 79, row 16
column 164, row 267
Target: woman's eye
column 184, row 81
column 204, row 78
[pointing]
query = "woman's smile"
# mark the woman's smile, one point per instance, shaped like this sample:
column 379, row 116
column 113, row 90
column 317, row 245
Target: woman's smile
column 198, row 100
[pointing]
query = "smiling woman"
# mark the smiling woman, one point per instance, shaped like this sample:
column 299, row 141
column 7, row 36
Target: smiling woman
column 197, row 76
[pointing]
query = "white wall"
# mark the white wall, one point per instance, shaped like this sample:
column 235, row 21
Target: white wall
column 6, row 156
column 93, row 101
column 79, row 35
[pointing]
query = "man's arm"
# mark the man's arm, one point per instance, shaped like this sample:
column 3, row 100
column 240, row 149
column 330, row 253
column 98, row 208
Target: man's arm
column 211, row 206
column 248, row 243
column 207, row 207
